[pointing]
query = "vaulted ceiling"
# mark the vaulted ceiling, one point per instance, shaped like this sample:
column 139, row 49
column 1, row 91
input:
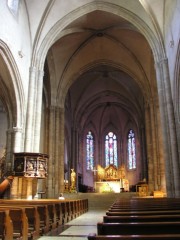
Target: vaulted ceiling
column 106, row 66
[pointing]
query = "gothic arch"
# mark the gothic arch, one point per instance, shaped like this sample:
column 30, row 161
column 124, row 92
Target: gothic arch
column 13, row 98
column 176, row 88
column 57, row 32
column 14, row 86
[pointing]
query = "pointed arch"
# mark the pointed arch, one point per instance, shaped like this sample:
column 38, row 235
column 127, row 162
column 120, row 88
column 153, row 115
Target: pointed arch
column 13, row 93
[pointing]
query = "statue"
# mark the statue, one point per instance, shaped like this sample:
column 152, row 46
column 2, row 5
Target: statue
column 73, row 179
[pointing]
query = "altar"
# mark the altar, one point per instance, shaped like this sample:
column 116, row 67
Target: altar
column 110, row 179
column 108, row 186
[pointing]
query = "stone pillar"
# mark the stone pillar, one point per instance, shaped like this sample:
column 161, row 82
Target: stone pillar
column 168, row 129
column 143, row 158
column 38, row 107
column 30, row 111
column 14, row 143
column 9, row 150
column 18, row 143
column 154, row 143
column 55, row 179
column 51, row 144
column 61, row 148
column 149, row 148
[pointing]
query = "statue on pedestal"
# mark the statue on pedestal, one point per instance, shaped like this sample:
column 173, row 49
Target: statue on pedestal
column 73, row 181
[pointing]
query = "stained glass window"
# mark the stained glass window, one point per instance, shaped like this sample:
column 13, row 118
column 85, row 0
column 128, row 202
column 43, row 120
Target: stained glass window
column 89, row 151
column 131, row 150
column 111, row 149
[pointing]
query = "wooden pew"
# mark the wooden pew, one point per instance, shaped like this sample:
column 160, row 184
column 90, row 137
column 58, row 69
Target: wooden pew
column 50, row 212
column 37, row 218
column 33, row 222
column 144, row 206
column 46, row 210
column 142, row 219
column 137, row 237
column 138, row 228
column 138, row 213
column 146, row 218
column 19, row 221
column 6, row 226
column 165, row 203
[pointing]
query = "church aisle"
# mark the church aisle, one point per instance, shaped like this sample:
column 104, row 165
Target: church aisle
column 79, row 228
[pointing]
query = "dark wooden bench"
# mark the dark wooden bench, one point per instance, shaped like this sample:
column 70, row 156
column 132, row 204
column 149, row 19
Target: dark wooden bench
column 19, row 221
column 37, row 218
column 33, row 222
column 137, row 237
column 137, row 213
column 140, row 219
column 138, row 228
column 6, row 226
column 146, row 218
column 47, row 214
column 163, row 203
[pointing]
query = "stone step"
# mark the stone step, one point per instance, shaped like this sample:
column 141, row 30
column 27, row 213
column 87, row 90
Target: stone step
column 99, row 200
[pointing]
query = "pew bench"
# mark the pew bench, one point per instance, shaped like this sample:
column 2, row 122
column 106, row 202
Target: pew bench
column 146, row 218
column 44, row 215
column 37, row 218
column 165, row 203
column 138, row 228
column 137, row 213
column 137, row 237
column 19, row 221
column 6, row 226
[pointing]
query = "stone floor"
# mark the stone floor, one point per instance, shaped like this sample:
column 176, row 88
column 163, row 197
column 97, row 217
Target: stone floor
column 82, row 226
column 79, row 228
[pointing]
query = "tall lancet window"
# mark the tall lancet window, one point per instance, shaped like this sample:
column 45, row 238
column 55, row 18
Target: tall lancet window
column 89, row 151
column 111, row 149
column 131, row 150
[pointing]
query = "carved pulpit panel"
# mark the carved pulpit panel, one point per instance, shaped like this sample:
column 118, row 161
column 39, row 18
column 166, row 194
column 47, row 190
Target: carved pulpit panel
column 30, row 165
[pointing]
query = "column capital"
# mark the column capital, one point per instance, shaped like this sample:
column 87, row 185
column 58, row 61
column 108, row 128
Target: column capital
column 161, row 61
column 17, row 129
column 32, row 69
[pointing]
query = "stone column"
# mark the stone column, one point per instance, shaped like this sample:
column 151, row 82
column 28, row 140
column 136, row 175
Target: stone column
column 38, row 110
column 143, row 158
column 13, row 144
column 18, row 146
column 60, row 118
column 168, row 129
column 51, row 144
column 9, row 150
column 73, row 146
column 30, row 111
column 154, row 142
column 149, row 148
